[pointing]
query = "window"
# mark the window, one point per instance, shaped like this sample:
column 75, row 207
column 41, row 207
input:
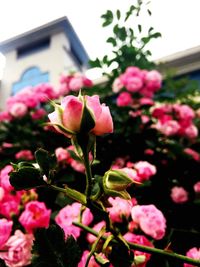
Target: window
column 34, row 47
column 31, row 77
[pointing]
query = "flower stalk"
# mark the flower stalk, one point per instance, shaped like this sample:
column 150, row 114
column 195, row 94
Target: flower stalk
column 155, row 251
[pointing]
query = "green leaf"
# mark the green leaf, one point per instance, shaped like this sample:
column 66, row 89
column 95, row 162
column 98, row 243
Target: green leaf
column 95, row 63
column 129, row 12
column 139, row 28
column 118, row 13
column 149, row 12
column 108, row 17
column 26, row 178
column 112, row 41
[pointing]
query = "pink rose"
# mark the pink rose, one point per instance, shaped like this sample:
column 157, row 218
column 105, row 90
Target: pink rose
column 124, row 99
column 150, row 220
column 179, row 194
column 197, row 187
column 194, row 155
column 5, row 178
column 24, row 154
column 10, row 204
column 97, row 227
column 120, row 209
column 35, row 215
column 153, row 80
column 70, row 214
column 19, row 248
column 191, row 131
column 62, row 154
column 117, row 85
column 68, row 116
column 193, row 253
column 92, row 262
column 5, row 231
column 18, row 110
column 144, row 170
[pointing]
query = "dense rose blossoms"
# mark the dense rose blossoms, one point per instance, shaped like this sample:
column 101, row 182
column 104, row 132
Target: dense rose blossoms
column 68, row 117
column 150, row 219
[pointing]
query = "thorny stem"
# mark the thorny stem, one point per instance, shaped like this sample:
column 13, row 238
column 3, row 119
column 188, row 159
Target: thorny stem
column 150, row 250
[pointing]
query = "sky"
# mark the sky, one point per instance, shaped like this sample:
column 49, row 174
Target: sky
column 177, row 20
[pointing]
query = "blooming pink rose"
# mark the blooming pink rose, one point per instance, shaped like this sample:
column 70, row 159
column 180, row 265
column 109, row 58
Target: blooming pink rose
column 10, row 204
column 5, row 116
column 197, row 187
column 62, row 154
column 18, row 110
column 35, row 215
column 18, row 252
column 191, row 131
column 153, row 80
column 144, row 170
column 150, row 220
column 70, row 214
column 24, row 154
column 120, row 209
column 142, row 257
column 168, row 128
column 184, row 112
column 133, row 84
column 69, row 115
column 124, row 99
column 179, row 194
column 97, row 227
column 5, row 231
column 193, row 253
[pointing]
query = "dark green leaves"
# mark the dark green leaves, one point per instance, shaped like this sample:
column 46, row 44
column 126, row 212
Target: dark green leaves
column 52, row 250
column 26, row 178
column 112, row 41
column 108, row 18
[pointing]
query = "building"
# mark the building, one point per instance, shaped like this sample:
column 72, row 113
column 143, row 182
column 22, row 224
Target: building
column 41, row 55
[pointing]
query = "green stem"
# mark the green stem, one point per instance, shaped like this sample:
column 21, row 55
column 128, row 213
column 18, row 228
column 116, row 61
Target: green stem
column 71, row 193
column 150, row 250
column 88, row 174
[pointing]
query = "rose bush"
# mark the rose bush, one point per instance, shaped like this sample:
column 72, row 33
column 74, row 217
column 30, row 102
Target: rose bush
column 142, row 181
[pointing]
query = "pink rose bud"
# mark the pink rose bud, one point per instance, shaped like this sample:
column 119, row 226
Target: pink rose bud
column 81, row 114
column 179, row 194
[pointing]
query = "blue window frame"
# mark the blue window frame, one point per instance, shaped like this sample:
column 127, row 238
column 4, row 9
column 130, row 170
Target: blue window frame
column 31, row 77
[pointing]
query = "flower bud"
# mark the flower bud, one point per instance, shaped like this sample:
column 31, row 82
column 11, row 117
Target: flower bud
column 115, row 183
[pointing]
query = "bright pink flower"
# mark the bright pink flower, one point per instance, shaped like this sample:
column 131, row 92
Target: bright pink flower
column 184, row 112
column 10, row 204
column 5, row 178
column 124, row 99
column 5, row 116
column 179, row 194
column 133, row 84
column 191, row 131
column 70, row 112
column 143, row 257
column 77, row 166
column 150, row 220
column 168, row 128
column 62, row 154
column 35, row 215
column 2, row 193
column 18, row 110
column 193, row 253
column 120, row 209
column 146, row 101
column 92, row 262
column 5, row 231
column 19, row 248
column 153, row 80
column 149, row 151
column 70, row 214
column 38, row 114
column 197, row 187
column 144, row 170
column 24, row 154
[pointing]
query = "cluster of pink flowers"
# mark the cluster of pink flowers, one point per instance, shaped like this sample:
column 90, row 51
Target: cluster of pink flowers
column 24, row 154
column 175, row 119
column 73, row 83
column 139, row 172
column 142, row 82
column 28, row 98
column 63, row 156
